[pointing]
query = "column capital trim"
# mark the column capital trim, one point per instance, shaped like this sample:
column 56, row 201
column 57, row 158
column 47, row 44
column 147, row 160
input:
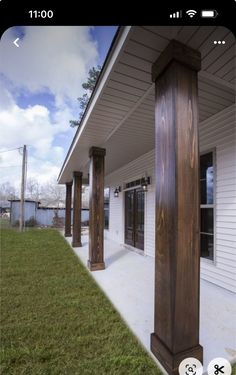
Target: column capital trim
column 77, row 174
column 176, row 51
column 69, row 183
column 97, row 151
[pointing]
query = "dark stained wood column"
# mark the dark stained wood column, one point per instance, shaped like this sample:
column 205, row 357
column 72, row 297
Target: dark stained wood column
column 76, row 234
column 68, row 209
column 177, row 273
column 96, row 209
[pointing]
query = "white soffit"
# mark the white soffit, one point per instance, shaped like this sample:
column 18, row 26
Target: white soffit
column 121, row 115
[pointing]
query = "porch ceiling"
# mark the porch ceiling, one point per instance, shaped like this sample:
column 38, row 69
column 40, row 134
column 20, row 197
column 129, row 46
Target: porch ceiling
column 120, row 116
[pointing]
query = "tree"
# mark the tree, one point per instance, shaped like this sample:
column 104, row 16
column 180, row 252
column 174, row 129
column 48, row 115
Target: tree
column 52, row 194
column 89, row 87
column 33, row 189
column 7, row 191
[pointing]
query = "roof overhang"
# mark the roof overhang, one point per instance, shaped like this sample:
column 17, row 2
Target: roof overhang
column 120, row 114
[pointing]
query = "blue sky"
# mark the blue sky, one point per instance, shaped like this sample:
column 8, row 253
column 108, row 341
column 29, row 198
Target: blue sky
column 40, row 83
column 103, row 35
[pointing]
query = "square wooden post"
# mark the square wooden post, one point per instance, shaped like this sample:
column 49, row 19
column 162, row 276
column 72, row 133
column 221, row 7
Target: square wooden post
column 177, row 259
column 68, row 209
column 77, row 206
column 96, row 209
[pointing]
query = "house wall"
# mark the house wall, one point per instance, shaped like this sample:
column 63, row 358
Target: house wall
column 134, row 170
column 219, row 133
column 216, row 133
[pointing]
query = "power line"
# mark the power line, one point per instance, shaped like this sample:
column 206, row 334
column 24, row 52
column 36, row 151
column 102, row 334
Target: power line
column 11, row 166
column 12, row 149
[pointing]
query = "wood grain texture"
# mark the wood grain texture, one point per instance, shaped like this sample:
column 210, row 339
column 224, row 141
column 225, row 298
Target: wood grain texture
column 96, row 209
column 68, row 209
column 177, row 268
column 170, row 360
column 77, row 206
column 176, row 51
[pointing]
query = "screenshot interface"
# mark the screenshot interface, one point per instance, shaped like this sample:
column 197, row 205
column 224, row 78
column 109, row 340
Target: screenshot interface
column 122, row 139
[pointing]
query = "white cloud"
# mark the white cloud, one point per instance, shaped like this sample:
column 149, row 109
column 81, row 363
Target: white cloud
column 6, row 99
column 30, row 126
column 51, row 60
column 34, row 127
column 40, row 169
column 54, row 58
column 43, row 172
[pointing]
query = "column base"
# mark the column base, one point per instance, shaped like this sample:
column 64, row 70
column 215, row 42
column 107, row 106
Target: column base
column 68, row 235
column 76, row 244
column 96, row 266
column 169, row 360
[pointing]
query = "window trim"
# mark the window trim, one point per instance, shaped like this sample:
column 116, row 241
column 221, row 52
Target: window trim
column 109, row 208
column 202, row 259
column 124, row 188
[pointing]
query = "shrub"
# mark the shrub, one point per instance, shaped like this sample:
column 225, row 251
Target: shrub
column 16, row 223
column 85, row 223
column 57, row 221
column 31, row 222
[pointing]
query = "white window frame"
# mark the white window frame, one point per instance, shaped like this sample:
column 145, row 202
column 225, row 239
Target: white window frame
column 107, row 187
column 205, row 260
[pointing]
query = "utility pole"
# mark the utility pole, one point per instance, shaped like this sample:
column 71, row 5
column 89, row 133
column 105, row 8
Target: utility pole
column 22, row 199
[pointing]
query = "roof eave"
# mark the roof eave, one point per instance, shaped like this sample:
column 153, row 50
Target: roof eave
column 114, row 50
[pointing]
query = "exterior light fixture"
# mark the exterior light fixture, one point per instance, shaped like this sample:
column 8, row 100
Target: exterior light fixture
column 144, row 183
column 117, row 191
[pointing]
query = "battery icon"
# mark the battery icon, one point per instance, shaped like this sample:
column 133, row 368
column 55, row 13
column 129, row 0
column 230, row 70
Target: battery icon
column 209, row 13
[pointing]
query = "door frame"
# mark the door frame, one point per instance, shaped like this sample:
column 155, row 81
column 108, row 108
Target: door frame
column 133, row 246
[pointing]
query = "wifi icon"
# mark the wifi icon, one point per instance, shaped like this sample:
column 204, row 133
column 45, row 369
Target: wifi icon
column 191, row 13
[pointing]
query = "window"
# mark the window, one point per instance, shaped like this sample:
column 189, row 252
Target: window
column 207, row 205
column 106, row 207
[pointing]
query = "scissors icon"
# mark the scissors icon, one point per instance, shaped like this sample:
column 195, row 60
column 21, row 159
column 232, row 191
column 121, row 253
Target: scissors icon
column 218, row 369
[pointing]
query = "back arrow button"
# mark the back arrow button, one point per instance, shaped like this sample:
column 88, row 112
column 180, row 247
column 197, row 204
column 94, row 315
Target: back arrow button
column 15, row 42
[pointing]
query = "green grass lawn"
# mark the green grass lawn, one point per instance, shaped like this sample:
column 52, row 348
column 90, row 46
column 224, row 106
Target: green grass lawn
column 4, row 223
column 54, row 318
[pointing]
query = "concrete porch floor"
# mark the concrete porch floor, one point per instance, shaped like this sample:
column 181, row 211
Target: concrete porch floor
column 128, row 281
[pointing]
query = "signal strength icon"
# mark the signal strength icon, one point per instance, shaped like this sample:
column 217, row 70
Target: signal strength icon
column 176, row 14
column 191, row 13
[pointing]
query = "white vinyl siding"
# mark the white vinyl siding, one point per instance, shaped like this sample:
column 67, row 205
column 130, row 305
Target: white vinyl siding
column 132, row 171
column 218, row 133
column 149, row 234
column 116, row 217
